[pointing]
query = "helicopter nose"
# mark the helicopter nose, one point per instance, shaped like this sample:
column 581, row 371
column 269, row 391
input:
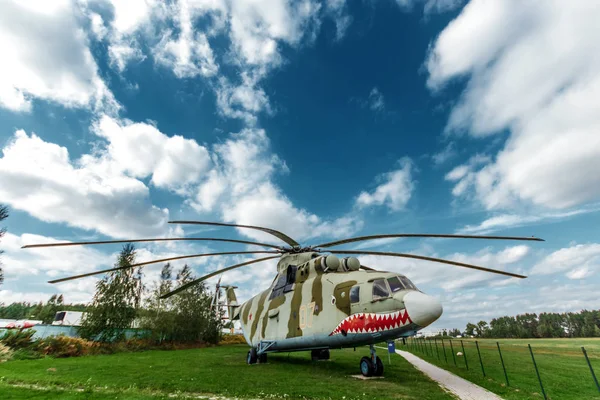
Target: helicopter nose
column 422, row 308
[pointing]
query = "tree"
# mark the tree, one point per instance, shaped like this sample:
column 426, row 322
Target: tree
column 194, row 320
column 159, row 316
column 49, row 310
column 116, row 301
column 3, row 216
column 482, row 329
column 470, row 329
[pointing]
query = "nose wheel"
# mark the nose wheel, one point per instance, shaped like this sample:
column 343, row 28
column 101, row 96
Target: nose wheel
column 371, row 366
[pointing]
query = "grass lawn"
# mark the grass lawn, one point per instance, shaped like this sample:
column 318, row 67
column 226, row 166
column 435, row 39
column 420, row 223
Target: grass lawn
column 217, row 370
column 563, row 369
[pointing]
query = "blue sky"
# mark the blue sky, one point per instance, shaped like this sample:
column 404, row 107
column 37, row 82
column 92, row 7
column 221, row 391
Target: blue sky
column 321, row 119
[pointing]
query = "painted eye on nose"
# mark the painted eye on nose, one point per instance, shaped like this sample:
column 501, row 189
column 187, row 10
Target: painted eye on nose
column 333, row 300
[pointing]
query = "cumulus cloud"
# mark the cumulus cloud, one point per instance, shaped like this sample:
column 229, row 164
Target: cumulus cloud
column 394, row 190
column 141, row 150
column 241, row 189
column 39, row 178
column 534, row 70
column 46, row 56
column 580, row 261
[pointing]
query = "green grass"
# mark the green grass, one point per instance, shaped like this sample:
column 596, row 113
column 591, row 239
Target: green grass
column 217, row 370
column 562, row 366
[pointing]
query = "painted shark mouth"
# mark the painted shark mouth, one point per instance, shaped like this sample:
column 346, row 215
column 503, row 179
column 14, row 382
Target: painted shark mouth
column 371, row 322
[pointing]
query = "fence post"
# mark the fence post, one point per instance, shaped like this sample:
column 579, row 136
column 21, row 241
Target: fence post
column 444, row 349
column 425, row 343
column 452, row 350
column 430, row 348
column 464, row 354
column 591, row 369
column 436, row 348
column 503, row 367
column 537, row 372
column 480, row 361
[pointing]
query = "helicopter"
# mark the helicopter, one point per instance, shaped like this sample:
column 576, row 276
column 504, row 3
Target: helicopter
column 318, row 301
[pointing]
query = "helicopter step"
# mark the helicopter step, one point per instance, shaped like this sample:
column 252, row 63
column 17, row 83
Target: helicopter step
column 371, row 366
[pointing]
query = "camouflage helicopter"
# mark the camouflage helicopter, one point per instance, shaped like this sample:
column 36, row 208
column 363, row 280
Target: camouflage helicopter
column 317, row 301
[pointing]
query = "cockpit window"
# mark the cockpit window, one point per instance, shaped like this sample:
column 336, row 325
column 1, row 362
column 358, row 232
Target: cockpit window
column 380, row 289
column 395, row 284
column 407, row 283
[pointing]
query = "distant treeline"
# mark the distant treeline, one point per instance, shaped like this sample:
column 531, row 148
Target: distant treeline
column 545, row 325
column 40, row 311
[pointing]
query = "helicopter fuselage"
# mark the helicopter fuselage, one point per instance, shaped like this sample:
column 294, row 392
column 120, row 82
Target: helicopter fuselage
column 318, row 301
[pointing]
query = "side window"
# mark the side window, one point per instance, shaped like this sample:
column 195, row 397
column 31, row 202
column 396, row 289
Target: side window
column 285, row 282
column 290, row 277
column 380, row 290
column 355, row 294
column 395, row 284
column 279, row 286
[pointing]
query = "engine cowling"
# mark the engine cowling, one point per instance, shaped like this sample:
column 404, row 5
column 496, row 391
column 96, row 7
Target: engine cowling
column 350, row 263
column 331, row 263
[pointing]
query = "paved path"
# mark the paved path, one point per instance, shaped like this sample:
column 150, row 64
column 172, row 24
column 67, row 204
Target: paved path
column 462, row 388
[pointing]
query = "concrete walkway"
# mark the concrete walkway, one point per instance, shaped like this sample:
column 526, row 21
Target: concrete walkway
column 462, row 388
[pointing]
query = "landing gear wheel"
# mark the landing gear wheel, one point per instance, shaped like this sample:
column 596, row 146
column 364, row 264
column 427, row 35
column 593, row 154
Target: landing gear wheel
column 317, row 355
column 252, row 357
column 366, row 367
column 262, row 359
column 378, row 367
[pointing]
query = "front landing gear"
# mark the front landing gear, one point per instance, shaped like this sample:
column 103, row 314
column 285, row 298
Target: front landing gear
column 253, row 357
column 371, row 366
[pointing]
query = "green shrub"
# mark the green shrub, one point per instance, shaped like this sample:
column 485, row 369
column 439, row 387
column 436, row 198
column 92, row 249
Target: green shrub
column 65, row 346
column 232, row 339
column 6, row 353
column 18, row 339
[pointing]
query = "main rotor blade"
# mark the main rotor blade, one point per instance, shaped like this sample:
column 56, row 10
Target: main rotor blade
column 273, row 232
column 30, row 246
column 205, row 277
column 439, row 260
column 424, row 235
column 158, row 261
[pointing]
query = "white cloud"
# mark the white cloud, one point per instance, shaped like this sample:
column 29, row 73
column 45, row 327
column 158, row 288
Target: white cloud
column 376, row 102
column 580, row 260
column 240, row 188
column 189, row 55
column 97, row 25
column 535, row 70
column 243, row 101
column 51, row 62
column 141, row 150
column 337, row 10
column 445, row 155
column 38, row 177
column 123, row 52
column 450, row 278
column 394, row 191
column 28, row 270
column 504, row 221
